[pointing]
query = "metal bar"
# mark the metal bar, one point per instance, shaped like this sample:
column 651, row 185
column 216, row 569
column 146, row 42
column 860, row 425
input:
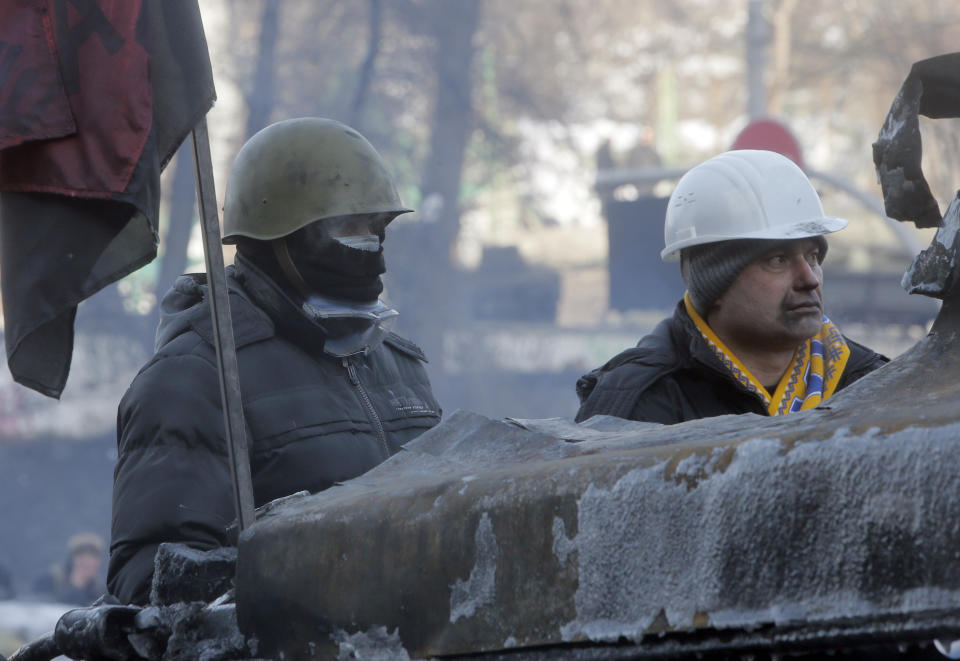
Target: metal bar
column 223, row 329
column 757, row 39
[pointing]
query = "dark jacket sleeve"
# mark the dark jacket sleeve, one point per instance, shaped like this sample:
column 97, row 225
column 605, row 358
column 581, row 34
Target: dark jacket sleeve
column 172, row 480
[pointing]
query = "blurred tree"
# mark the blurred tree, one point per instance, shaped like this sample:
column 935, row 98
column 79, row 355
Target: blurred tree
column 260, row 98
column 427, row 287
column 845, row 63
column 451, row 27
column 369, row 63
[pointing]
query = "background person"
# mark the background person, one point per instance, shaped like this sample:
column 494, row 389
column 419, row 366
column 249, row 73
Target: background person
column 78, row 580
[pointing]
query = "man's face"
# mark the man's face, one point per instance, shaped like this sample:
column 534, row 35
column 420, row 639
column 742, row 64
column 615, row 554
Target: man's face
column 777, row 301
column 84, row 570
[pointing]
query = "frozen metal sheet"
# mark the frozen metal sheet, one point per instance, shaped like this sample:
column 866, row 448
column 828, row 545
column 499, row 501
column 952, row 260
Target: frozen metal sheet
column 491, row 535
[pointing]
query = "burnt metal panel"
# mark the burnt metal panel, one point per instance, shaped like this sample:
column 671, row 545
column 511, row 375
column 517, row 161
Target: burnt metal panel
column 827, row 527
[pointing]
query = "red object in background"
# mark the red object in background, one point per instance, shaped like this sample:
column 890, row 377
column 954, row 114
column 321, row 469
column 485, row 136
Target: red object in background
column 771, row 135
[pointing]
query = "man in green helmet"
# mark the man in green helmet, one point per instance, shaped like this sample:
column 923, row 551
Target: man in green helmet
column 328, row 390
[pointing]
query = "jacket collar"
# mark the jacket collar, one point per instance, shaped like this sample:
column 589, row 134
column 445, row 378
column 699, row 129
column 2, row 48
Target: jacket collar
column 286, row 316
column 697, row 349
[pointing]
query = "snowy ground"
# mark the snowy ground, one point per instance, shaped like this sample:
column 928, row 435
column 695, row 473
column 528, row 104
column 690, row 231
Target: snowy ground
column 24, row 621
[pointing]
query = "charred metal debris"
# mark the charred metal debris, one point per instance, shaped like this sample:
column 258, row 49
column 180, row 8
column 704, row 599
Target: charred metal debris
column 191, row 616
column 931, row 89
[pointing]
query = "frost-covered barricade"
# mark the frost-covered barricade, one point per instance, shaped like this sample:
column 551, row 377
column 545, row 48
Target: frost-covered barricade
column 828, row 529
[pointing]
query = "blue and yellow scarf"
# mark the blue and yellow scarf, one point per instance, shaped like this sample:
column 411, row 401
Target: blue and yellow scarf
column 817, row 367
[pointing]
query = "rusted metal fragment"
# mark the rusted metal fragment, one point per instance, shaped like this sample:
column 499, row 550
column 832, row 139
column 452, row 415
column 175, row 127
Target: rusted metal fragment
column 931, row 89
column 934, row 271
column 833, row 524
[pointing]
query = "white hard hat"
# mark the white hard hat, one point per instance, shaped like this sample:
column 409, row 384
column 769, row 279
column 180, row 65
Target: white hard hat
column 743, row 194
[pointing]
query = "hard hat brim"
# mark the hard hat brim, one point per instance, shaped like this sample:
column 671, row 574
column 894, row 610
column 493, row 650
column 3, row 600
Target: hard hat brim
column 798, row 230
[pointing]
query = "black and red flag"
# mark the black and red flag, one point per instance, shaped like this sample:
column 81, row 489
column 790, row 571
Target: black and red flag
column 95, row 98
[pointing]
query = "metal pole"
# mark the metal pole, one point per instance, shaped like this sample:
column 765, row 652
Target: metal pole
column 223, row 329
column 757, row 35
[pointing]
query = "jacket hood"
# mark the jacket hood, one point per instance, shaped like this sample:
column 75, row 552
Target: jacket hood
column 185, row 308
column 180, row 306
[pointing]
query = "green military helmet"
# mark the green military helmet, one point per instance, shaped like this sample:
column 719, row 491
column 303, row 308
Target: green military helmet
column 298, row 171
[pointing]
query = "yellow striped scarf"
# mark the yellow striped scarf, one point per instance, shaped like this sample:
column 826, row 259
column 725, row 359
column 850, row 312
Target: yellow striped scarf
column 817, row 367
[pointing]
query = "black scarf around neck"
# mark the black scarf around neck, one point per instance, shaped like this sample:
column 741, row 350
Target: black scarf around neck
column 284, row 311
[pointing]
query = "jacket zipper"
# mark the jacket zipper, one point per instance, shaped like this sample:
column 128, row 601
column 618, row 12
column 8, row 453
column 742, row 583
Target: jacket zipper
column 368, row 406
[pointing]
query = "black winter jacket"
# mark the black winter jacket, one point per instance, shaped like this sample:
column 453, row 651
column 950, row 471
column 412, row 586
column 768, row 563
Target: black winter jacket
column 672, row 375
column 312, row 420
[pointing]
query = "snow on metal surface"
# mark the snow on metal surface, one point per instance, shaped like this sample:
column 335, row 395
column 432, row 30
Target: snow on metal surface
column 377, row 644
column 727, row 531
column 480, row 589
column 563, row 546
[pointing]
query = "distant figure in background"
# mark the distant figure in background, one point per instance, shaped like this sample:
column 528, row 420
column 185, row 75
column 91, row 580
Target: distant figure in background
column 78, row 580
column 750, row 335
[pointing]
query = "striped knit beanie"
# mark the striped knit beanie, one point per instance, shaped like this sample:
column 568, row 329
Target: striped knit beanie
column 708, row 270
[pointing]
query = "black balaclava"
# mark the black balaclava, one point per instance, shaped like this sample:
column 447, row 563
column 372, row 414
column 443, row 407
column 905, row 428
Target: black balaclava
column 330, row 268
column 322, row 265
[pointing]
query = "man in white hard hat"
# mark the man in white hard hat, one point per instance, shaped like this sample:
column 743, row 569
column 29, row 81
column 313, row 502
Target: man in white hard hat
column 750, row 335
